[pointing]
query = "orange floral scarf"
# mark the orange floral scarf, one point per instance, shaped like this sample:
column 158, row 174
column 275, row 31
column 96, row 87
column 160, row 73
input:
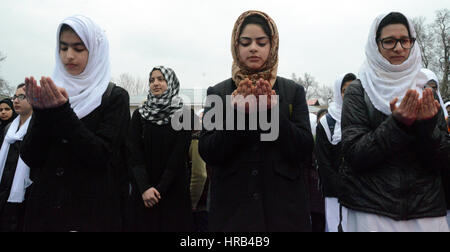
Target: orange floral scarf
column 269, row 69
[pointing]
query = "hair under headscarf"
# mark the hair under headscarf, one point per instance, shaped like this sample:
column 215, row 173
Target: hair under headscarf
column 383, row 81
column 269, row 69
column 14, row 114
column 160, row 109
column 86, row 89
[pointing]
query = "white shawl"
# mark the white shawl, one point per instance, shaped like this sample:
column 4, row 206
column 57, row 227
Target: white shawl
column 383, row 81
column 86, row 89
column 22, row 175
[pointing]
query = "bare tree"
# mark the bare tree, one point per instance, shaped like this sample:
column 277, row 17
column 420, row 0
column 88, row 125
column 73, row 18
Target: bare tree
column 313, row 90
column 309, row 83
column 425, row 40
column 5, row 89
column 134, row 86
column 441, row 27
column 434, row 42
column 325, row 94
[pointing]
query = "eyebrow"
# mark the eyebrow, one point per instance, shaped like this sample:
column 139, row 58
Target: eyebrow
column 73, row 45
column 393, row 37
column 256, row 38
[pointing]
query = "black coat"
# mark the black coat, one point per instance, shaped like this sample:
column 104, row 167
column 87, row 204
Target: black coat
column 159, row 159
column 258, row 186
column 329, row 159
column 73, row 166
column 4, row 124
column 390, row 169
column 11, row 214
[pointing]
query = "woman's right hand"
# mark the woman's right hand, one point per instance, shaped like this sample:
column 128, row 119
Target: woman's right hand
column 48, row 95
column 151, row 197
column 407, row 112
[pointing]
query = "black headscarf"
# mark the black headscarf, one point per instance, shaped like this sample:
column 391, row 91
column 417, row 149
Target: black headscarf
column 14, row 115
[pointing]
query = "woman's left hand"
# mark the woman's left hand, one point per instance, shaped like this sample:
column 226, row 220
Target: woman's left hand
column 264, row 90
column 428, row 106
column 52, row 95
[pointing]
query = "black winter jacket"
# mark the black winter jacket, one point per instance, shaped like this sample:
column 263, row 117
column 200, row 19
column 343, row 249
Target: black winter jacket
column 390, row 169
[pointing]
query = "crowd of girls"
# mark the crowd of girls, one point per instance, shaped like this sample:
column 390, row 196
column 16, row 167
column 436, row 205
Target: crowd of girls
column 73, row 158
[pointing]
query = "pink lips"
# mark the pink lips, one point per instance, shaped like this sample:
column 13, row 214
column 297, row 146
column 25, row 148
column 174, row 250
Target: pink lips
column 397, row 57
column 254, row 58
column 71, row 66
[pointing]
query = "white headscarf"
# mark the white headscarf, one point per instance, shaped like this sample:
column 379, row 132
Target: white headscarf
column 313, row 122
column 383, row 81
column 432, row 76
column 335, row 111
column 86, row 89
column 446, row 105
column 22, row 175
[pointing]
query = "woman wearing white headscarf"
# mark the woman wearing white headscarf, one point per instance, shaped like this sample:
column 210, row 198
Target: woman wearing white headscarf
column 394, row 138
column 73, row 149
column 433, row 82
column 328, row 152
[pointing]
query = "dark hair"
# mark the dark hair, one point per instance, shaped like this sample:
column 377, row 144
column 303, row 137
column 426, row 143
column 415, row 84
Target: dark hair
column 9, row 102
column 321, row 112
column 257, row 20
column 66, row 27
column 393, row 18
column 348, row 77
column 21, row 85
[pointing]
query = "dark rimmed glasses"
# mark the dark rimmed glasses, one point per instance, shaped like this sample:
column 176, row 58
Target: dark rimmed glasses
column 21, row 97
column 391, row 43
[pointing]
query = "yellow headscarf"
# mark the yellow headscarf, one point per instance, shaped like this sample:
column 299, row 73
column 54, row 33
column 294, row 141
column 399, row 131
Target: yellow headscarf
column 269, row 69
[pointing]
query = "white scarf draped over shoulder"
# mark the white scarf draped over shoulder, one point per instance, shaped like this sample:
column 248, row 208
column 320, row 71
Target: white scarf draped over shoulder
column 86, row 89
column 22, row 175
column 335, row 111
column 383, row 81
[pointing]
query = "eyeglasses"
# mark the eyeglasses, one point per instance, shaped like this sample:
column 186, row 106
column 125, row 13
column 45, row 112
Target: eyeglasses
column 243, row 41
column 391, row 43
column 21, row 97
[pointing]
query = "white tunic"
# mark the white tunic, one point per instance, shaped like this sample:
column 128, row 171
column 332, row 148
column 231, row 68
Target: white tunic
column 365, row 222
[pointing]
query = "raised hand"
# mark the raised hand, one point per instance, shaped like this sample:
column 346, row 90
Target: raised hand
column 247, row 96
column 243, row 98
column 33, row 92
column 47, row 95
column 407, row 112
column 264, row 91
column 53, row 96
column 428, row 106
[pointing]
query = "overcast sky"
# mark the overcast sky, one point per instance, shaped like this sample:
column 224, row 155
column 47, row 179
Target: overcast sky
column 323, row 38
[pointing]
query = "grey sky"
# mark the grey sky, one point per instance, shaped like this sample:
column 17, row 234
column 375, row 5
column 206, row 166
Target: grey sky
column 323, row 38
